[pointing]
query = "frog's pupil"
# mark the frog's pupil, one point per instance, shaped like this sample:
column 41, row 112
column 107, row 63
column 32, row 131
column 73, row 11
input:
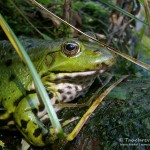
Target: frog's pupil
column 70, row 47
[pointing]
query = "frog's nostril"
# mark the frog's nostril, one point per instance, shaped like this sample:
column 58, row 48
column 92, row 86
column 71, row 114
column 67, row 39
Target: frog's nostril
column 97, row 51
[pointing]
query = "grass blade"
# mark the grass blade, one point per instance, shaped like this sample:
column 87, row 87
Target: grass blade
column 147, row 12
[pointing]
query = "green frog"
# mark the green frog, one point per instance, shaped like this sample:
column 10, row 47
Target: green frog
column 67, row 69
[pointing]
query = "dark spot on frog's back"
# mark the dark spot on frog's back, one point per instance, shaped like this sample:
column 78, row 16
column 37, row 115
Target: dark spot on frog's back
column 12, row 77
column 17, row 102
column 37, row 132
column 24, row 123
column 8, row 62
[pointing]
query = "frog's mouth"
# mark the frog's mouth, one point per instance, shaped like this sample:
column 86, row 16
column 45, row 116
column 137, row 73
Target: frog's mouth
column 61, row 74
column 76, row 78
column 57, row 77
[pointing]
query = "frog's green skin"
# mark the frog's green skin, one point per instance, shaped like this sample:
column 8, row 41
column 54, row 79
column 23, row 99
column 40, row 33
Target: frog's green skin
column 66, row 72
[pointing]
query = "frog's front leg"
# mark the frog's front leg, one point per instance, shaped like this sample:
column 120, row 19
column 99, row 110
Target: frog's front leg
column 28, row 122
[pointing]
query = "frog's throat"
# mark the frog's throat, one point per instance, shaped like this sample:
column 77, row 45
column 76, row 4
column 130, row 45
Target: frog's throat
column 64, row 87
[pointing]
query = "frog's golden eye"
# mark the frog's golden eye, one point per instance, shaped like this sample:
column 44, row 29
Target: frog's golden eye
column 70, row 48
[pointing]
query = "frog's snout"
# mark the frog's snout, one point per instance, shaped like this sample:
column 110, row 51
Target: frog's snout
column 105, row 59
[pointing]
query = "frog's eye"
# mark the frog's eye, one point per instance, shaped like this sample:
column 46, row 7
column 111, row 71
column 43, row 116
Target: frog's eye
column 70, row 48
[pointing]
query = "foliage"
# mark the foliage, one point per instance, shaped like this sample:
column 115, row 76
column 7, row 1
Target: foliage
column 92, row 15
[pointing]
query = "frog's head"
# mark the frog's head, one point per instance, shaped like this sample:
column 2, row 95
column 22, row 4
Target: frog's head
column 71, row 67
column 74, row 56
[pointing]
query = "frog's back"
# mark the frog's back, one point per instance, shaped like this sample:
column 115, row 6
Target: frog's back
column 14, row 75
